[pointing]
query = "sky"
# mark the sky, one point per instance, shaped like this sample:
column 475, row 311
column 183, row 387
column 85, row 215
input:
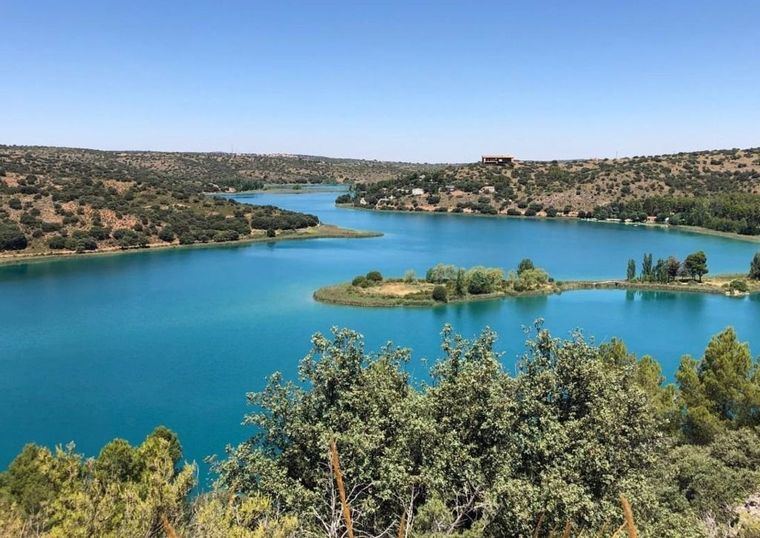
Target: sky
column 413, row 81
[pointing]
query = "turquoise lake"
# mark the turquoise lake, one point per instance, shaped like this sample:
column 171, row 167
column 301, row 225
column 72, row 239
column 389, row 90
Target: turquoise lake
column 111, row 346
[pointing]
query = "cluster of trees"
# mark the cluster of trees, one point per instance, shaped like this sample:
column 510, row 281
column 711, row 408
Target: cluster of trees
column 475, row 280
column 372, row 278
column 475, row 451
column 736, row 212
column 667, row 270
column 479, row 280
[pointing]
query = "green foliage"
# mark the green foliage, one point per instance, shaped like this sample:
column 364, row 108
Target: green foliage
column 525, row 265
column 721, row 391
column 738, row 285
column 11, row 237
column 482, row 280
column 475, row 451
column 754, row 268
column 441, row 273
column 125, row 491
column 359, row 281
column 631, row 271
column 696, row 265
column 375, row 276
column 440, row 294
column 530, row 280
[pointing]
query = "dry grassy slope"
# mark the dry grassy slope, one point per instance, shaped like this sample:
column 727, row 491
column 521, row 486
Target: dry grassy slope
column 585, row 184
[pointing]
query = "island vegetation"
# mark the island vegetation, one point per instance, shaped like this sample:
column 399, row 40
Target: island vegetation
column 74, row 201
column 548, row 448
column 450, row 284
column 442, row 284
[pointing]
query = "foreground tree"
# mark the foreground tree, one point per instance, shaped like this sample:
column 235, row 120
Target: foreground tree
column 721, row 391
column 631, row 271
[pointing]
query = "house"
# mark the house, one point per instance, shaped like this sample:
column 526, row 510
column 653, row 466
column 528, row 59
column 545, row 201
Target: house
column 487, row 189
column 496, row 159
column 418, row 191
column 450, row 188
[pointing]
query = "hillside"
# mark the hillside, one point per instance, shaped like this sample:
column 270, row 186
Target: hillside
column 54, row 201
column 573, row 188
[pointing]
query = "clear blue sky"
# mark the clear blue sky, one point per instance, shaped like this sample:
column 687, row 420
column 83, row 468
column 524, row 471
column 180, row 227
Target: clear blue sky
column 436, row 81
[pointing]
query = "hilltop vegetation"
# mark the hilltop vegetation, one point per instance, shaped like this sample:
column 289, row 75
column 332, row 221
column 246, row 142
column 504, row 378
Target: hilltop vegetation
column 713, row 189
column 77, row 200
column 475, row 451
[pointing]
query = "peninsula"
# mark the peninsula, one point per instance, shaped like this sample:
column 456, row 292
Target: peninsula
column 450, row 284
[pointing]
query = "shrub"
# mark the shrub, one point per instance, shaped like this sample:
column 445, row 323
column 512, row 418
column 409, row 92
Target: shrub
column 14, row 203
column 271, row 232
column 374, row 276
column 359, row 281
column 483, row 280
column 166, row 234
column 440, row 295
column 738, row 285
column 11, row 237
column 57, row 243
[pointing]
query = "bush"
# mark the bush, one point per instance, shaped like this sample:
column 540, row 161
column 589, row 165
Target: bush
column 343, row 199
column 739, row 285
column 11, row 237
column 14, row 203
column 271, row 232
column 359, row 281
column 374, row 276
column 57, row 243
column 440, row 295
column 166, row 234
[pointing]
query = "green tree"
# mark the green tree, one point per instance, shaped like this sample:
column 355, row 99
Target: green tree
column 525, row 265
column 722, row 390
column 375, row 276
column 631, row 271
column 696, row 265
column 647, row 268
column 460, row 284
column 754, row 268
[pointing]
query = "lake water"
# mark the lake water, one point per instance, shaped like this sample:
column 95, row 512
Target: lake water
column 102, row 347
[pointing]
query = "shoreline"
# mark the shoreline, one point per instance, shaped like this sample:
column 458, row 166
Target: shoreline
column 325, row 231
column 697, row 230
column 344, row 294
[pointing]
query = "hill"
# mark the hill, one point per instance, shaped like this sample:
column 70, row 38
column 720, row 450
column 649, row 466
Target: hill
column 57, row 200
column 580, row 187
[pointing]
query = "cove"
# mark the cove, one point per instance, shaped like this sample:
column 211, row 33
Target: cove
column 104, row 347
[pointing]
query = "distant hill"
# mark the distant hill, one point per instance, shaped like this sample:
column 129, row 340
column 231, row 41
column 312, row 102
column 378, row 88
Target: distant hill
column 210, row 171
column 606, row 188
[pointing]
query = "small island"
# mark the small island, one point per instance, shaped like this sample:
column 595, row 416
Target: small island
column 450, row 284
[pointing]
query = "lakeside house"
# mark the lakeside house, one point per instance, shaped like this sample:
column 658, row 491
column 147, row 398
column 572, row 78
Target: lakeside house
column 496, row 159
column 418, row 191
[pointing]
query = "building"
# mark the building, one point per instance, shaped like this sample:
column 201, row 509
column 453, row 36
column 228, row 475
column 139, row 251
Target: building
column 496, row 159
column 417, row 191
column 487, row 189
